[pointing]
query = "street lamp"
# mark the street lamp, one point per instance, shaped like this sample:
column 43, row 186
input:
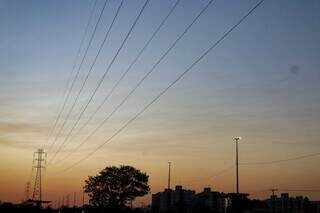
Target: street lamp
column 236, row 139
column 169, row 175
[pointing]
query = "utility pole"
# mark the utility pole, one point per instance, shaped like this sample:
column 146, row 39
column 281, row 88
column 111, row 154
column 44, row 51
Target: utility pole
column 169, row 175
column 273, row 199
column 236, row 139
column 273, row 190
column 169, row 189
column 38, row 160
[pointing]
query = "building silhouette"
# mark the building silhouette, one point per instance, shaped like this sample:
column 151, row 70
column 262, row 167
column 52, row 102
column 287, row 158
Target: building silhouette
column 210, row 201
column 182, row 200
column 285, row 203
column 178, row 200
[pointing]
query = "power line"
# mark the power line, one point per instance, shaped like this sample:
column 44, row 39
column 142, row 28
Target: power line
column 284, row 190
column 282, row 160
column 300, row 190
column 170, row 85
column 216, row 174
column 257, row 192
column 85, row 81
column 124, row 74
column 77, row 74
column 114, row 58
column 145, row 76
column 71, row 73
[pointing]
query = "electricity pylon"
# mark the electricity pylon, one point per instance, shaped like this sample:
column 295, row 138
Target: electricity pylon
column 38, row 163
column 27, row 192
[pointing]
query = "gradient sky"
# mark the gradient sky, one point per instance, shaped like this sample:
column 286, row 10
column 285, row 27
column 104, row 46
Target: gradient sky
column 260, row 83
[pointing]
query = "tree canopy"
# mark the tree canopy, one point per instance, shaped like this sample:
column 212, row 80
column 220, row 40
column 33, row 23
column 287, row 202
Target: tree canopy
column 116, row 187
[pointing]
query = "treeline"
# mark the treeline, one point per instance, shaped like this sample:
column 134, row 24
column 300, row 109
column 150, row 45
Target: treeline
column 7, row 207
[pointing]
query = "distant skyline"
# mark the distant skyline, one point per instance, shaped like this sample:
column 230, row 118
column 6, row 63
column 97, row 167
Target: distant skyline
column 261, row 83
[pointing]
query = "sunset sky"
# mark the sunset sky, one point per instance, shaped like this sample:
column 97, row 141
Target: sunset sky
column 261, row 83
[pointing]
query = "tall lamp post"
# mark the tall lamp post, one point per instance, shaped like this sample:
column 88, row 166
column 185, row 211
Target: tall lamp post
column 237, row 139
column 169, row 175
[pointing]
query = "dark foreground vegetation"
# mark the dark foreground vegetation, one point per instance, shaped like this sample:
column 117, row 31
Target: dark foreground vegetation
column 253, row 206
column 7, row 207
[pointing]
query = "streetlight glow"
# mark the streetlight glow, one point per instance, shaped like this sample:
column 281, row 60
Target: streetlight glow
column 237, row 138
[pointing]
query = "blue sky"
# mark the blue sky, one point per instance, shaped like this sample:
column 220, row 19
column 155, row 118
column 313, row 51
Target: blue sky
column 261, row 82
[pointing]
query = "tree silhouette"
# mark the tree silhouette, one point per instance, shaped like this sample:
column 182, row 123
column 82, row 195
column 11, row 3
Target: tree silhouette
column 115, row 187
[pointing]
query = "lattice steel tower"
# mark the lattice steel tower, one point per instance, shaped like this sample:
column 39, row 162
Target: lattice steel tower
column 38, row 163
column 27, row 191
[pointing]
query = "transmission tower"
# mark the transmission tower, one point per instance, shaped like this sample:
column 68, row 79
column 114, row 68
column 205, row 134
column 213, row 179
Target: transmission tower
column 38, row 163
column 27, row 191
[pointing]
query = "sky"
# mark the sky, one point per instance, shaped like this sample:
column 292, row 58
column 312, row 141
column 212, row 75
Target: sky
column 260, row 83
